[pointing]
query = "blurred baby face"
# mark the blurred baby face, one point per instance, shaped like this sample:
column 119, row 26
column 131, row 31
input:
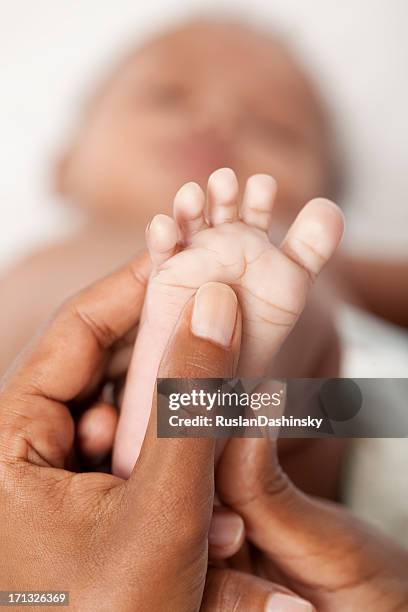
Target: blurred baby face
column 196, row 99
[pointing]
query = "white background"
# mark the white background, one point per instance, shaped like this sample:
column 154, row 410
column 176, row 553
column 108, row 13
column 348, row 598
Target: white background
column 52, row 50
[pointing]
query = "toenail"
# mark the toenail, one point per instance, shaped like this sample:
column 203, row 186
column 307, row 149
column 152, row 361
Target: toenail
column 259, row 192
column 215, row 313
column 162, row 233
column 223, row 182
column 189, row 192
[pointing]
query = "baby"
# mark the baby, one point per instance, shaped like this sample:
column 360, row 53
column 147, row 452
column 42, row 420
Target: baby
column 206, row 95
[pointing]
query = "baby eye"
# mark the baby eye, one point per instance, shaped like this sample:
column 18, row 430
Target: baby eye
column 271, row 130
column 166, row 95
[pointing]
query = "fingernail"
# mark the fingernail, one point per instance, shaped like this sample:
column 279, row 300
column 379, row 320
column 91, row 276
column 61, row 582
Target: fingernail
column 215, row 313
column 280, row 602
column 226, row 530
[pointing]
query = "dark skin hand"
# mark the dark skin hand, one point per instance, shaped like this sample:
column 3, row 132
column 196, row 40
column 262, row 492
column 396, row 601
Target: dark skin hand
column 315, row 547
column 140, row 544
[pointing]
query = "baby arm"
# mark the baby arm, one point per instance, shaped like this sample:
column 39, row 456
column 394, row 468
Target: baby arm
column 379, row 285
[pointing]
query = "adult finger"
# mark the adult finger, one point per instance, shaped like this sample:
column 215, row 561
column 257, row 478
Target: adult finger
column 96, row 430
column 227, row 590
column 226, row 534
column 318, row 544
column 184, row 467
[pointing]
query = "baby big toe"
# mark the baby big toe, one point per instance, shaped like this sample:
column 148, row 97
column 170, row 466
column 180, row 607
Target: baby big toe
column 314, row 235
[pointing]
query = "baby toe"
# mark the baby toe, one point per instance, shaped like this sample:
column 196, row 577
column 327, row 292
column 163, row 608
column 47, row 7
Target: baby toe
column 258, row 200
column 222, row 196
column 161, row 238
column 188, row 210
column 314, row 235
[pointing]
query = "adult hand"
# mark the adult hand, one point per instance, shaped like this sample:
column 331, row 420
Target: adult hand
column 139, row 544
column 315, row 547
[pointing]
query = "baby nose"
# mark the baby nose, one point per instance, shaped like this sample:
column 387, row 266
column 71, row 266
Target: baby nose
column 216, row 116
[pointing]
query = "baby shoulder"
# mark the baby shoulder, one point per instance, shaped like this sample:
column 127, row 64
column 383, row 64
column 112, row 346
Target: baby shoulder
column 30, row 291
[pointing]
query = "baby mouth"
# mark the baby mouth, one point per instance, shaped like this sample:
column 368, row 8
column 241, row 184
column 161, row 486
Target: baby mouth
column 199, row 157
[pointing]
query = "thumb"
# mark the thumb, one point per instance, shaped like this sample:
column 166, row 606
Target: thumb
column 317, row 544
column 166, row 503
column 205, row 344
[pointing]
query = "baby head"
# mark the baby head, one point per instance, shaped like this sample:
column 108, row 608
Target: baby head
column 196, row 98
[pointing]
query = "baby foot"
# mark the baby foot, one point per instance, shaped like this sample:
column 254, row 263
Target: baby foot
column 228, row 244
